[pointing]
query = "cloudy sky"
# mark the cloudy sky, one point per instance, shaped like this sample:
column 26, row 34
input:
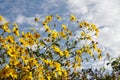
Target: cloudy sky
column 104, row 13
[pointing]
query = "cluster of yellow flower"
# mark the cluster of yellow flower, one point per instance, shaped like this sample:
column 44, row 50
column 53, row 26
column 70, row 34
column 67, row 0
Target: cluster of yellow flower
column 52, row 57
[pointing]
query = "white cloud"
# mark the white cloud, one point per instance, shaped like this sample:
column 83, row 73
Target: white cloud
column 102, row 13
column 78, row 6
column 23, row 19
column 20, row 19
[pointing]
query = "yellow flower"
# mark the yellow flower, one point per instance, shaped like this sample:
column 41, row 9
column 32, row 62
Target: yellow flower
column 58, row 17
column 57, row 50
column 25, row 59
column 23, row 35
column 64, row 26
column 89, row 37
column 49, row 18
column 23, row 42
column 72, row 18
column 42, row 44
column 90, row 52
column 2, row 19
column 86, row 24
column 67, row 63
column 47, row 29
column 15, row 30
column 36, row 35
column 49, row 77
column 63, row 35
column 96, row 34
column 97, row 30
column 70, row 33
column 13, row 73
column 33, row 62
column 38, row 73
column 13, row 62
column 45, row 23
column 15, row 25
column 60, row 73
column 78, row 59
column 55, row 74
column 2, row 40
column 21, row 49
column 66, row 53
column 30, row 42
column 32, row 29
column 7, row 72
column 81, row 24
column 82, row 49
column 94, row 46
column 10, row 39
column 93, row 26
column 26, row 68
column 82, row 33
column 75, row 66
column 28, row 76
column 99, row 56
column 99, row 51
column 12, row 52
column 37, row 19
column 79, row 52
column 61, row 53
column 6, row 29
column 65, row 74
column 4, row 73
column 29, row 35
column 57, row 66
column 54, row 34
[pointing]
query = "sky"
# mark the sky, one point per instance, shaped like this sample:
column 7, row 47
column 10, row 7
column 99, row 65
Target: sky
column 104, row 13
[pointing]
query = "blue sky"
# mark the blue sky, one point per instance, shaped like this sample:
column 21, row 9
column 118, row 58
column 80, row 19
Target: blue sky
column 104, row 13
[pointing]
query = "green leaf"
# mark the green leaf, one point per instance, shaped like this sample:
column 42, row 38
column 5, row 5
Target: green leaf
column 108, row 63
column 50, row 55
column 56, row 44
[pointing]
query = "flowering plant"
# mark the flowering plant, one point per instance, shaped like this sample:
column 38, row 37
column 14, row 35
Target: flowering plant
column 54, row 53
